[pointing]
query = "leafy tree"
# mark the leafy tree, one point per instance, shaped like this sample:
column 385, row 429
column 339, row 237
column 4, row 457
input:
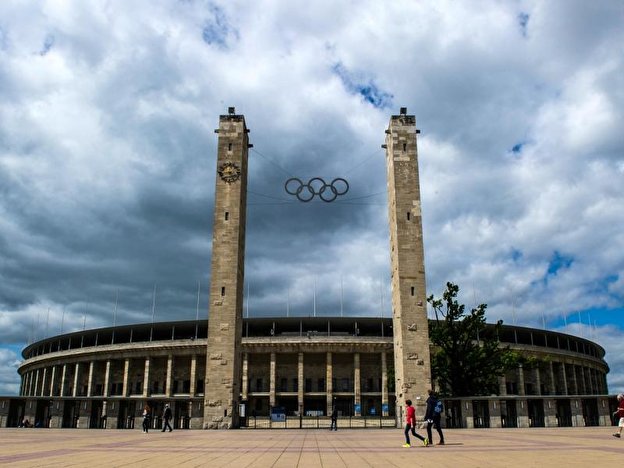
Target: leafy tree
column 466, row 357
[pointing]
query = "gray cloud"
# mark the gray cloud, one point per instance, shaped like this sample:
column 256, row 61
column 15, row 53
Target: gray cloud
column 107, row 157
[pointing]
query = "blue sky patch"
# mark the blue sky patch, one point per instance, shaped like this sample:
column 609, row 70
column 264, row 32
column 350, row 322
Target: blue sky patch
column 517, row 148
column 598, row 316
column 363, row 86
column 516, row 255
column 557, row 262
column 523, row 20
column 47, row 44
column 216, row 29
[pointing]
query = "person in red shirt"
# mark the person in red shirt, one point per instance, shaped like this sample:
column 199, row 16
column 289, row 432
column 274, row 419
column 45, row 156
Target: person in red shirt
column 410, row 425
column 619, row 414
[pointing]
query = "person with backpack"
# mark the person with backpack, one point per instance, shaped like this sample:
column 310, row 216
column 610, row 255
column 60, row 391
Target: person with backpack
column 433, row 415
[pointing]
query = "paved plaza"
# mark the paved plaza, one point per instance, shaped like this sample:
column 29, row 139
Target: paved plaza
column 553, row 447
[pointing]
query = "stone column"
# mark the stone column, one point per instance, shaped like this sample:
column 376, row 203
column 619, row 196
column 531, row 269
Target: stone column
column 63, row 380
column 356, row 384
column 106, row 377
column 494, row 409
column 52, row 379
column 590, row 376
column 574, row 381
column 90, row 381
column 125, row 390
column 146, row 377
column 522, row 413
column 412, row 370
column 550, row 412
column 329, row 383
column 193, row 375
column 553, row 387
column 502, row 385
column 76, row 373
column 36, row 384
column 538, row 381
column 272, row 382
column 245, row 382
column 521, row 391
column 223, row 353
column 43, row 381
column 300, row 383
column 384, row 385
column 169, row 377
column 564, row 376
column 30, row 383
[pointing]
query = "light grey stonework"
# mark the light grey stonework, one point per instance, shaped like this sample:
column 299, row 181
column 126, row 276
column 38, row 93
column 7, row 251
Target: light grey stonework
column 223, row 360
column 409, row 302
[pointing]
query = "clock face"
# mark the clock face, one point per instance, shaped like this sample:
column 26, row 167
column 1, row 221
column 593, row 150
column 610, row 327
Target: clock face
column 229, row 172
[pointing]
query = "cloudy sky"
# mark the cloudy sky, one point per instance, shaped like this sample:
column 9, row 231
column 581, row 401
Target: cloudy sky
column 107, row 158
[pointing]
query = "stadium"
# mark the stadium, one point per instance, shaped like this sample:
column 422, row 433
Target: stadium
column 293, row 370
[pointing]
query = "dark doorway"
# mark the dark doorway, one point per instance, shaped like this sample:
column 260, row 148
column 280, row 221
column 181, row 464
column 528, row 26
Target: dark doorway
column 344, row 405
column 16, row 413
column 125, row 417
column 70, row 414
column 453, row 414
column 314, row 406
column 536, row 413
column 590, row 412
column 96, row 421
column 181, row 418
column 42, row 413
column 564, row 413
column 509, row 413
column 480, row 414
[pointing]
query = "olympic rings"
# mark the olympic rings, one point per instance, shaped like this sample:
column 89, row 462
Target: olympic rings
column 316, row 186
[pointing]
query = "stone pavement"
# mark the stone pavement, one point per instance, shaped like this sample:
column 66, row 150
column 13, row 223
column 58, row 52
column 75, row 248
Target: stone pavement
column 552, row 447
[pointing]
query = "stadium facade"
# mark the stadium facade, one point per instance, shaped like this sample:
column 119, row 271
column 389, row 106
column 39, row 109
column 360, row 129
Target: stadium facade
column 102, row 378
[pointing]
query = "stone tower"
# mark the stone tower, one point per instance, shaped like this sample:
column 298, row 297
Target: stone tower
column 409, row 305
column 223, row 357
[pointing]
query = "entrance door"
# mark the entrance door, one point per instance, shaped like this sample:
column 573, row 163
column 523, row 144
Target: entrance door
column 95, row 421
column 509, row 413
column 536, row 413
column 42, row 413
column 590, row 411
column 564, row 413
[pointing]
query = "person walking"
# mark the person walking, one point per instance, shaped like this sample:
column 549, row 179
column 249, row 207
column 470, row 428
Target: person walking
column 334, row 419
column 166, row 418
column 433, row 415
column 147, row 414
column 619, row 414
column 410, row 425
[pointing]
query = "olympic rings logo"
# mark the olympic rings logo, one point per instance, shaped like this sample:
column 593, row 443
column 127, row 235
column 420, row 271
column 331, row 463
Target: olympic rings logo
column 316, row 186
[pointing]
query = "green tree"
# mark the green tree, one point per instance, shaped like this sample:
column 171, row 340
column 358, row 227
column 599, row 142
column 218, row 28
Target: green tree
column 466, row 357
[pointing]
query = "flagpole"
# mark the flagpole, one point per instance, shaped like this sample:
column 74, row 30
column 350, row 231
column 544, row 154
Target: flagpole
column 115, row 316
column 115, row 309
column 314, row 297
column 247, row 299
column 153, row 312
column 197, row 308
column 341, row 296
